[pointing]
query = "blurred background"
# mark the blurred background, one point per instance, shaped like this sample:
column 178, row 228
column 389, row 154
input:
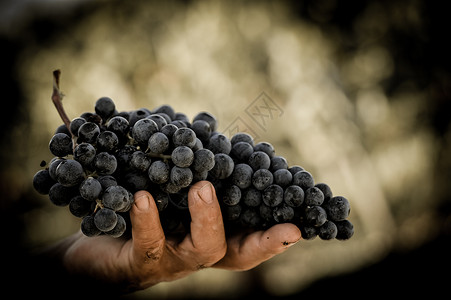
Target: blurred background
column 356, row 92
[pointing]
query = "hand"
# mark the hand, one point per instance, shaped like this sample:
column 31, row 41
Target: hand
column 150, row 257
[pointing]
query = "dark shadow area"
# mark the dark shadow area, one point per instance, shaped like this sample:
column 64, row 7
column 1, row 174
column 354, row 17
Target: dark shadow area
column 421, row 59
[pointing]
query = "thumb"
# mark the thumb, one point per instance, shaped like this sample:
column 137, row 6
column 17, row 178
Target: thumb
column 244, row 253
column 147, row 233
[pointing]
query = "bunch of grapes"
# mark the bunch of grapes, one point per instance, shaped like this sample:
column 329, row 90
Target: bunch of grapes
column 105, row 156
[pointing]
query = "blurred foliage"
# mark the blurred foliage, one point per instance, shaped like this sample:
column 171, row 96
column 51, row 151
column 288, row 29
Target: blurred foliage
column 361, row 88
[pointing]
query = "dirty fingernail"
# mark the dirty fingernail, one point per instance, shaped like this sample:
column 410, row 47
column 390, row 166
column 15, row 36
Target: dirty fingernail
column 206, row 193
column 142, row 201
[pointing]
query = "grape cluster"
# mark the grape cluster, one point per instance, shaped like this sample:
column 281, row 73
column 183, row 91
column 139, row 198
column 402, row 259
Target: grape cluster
column 106, row 156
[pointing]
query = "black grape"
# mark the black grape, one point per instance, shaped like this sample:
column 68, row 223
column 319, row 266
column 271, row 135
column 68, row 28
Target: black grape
column 90, row 189
column 105, row 107
column 182, row 156
column 259, row 160
column 42, row 182
column 69, row 172
column 106, row 156
column 262, row 178
column 60, row 145
column 242, row 176
column 105, row 219
column 273, row 195
column 159, row 172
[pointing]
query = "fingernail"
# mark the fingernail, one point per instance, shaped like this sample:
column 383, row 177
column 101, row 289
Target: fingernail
column 142, row 202
column 289, row 244
column 205, row 193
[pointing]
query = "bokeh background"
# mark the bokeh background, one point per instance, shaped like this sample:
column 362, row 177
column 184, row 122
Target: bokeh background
column 360, row 92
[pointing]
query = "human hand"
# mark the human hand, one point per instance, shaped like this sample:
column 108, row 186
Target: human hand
column 151, row 257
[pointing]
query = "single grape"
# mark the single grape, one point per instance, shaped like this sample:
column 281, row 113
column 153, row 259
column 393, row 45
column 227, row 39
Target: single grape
column 259, row 160
column 105, row 107
column 303, row 179
column 42, row 182
column 182, row 156
column 107, row 141
column 277, row 163
column 265, row 147
column 223, row 167
column 85, row 153
column 231, row 195
column 345, row 230
column 181, row 177
column 337, row 208
column 105, row 219
column 159, row 172
column 115, row 198
column 202, row 129
column 105, row 163
column 313, row 196
column 184, row 137
column 90, row 189
column 204, row 160
column 219, row 143
column 88, row 132
column 262, row 178
column 60, row 145
column 282, row 177
column 315, row 215
column 294, row 196
column 273, row 195
column 328, row 231
column 308, row 232
column 70, row 172
column 120, row 126
column 242, row 137
column 242, row 176
column 158, row 143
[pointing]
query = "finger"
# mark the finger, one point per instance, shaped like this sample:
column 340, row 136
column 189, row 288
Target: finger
column 147, row 233
column 248, row 251
column 207, row 237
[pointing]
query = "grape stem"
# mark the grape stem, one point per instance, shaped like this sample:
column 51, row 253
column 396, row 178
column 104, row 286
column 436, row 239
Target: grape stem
column 57, row 98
